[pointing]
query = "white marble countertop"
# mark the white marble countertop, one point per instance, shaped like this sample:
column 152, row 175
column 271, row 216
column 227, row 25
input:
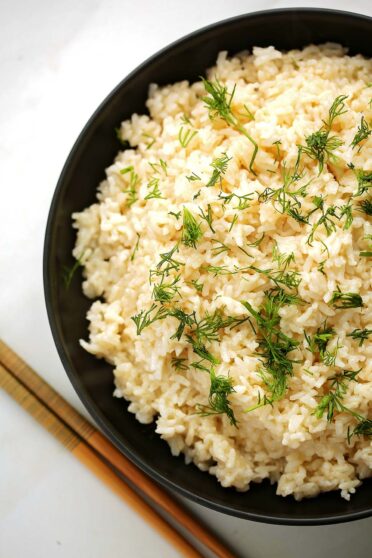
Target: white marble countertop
column 58, row 60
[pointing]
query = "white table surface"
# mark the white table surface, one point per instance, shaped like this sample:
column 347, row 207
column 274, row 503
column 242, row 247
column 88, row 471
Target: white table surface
column 58, row 60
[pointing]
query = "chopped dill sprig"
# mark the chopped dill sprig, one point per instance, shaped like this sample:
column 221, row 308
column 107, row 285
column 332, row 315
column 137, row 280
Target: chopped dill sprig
column 220, row 248
column 347, row 212
column 160, row 166
column 286, row 199
column 274, row 346
column 218, row 400
column 195, row 196
column 185, row 136
column 197, row 284
column 243, row 200
column 135, row 247
column 174, row 214
column 131, row 190
column 192, row 177
column 218, row 101
column 167, row 263
column 332, row 401
column 365, row 206
column 191, row 232
column 207, row 216
column 363, row 428
column 290, row 279
column 155, row 192
column 219, row 166
column 179, row 363
column 283, row 260
column 320, row 145
column 69, row 272
column 257, row 242
column 363, row 132
column 360, row 335
column 234, row 220
column 145, row 318
column 346, row 300
column 326, row 219
column 364, row 179
column 151, row 142
column 185, row 119
column 318, row 344
column 166, row 291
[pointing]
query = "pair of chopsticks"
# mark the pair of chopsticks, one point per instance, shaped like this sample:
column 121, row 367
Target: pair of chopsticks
column 100, row 456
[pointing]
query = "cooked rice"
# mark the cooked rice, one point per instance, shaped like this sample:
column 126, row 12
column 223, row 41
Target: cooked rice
column 289, row 95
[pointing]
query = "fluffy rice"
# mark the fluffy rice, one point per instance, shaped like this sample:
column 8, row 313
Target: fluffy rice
column 289, row 95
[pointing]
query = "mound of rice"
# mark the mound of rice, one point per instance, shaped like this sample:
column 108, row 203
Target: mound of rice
column 289, row 95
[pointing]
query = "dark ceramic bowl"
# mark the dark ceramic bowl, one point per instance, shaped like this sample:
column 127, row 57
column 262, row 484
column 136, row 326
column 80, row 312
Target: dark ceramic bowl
column 94, row 150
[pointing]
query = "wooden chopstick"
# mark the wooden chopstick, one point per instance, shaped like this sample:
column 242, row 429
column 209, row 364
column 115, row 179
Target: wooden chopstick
column 90, row 459
column 91, row 436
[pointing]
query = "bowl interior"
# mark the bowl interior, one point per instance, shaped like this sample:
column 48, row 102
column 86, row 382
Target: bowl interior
column 93, row 152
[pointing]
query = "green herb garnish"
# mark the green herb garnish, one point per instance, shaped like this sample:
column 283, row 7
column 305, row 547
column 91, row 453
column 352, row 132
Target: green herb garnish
column 185, row 135
column 363, row 132
column 219, row 166
column 320, row 145
column 346, row 300
column 218, row 399
column 191, row 232
column 218, row 102
column 135, row 247
column 360, row 335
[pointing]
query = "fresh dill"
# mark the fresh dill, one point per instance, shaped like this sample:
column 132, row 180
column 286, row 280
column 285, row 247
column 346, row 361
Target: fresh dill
column 364, row 179
column 154, row 192
column 318, row 344
column 257, row 242
column 363, row 132
column 283, row 260
column 219, row 167
column 332, row 401
column 195, row 196
column 161, row 166
column 320, row 145
column 135, row 249
column 360, row 335
column 347, row 212
column 191, row 232
column 185, row 136
column 145, row 318
column 176, row 215
column 166, row 291
column 69, row 272
column 218, row 101
column 274, row 346
column 234, row 220
column 346, row 300
column 326, row 218
column 131, row 190
column 197, row 284
column 193, row 177
column 220, row 248
column 208, row 217
column 218, row 400
column 179, row 363
column 287, row 198
column 365, row 206
column 167, row 263
column 151, row 142
column 243, row 200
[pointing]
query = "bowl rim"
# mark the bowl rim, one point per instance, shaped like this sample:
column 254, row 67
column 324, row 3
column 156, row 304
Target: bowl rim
column 88, row 402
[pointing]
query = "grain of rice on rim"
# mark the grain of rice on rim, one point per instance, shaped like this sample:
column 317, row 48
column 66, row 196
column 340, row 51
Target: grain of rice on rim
column 289, row 95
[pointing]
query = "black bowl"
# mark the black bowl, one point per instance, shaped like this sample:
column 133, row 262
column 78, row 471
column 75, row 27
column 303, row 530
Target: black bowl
column 94, row 150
